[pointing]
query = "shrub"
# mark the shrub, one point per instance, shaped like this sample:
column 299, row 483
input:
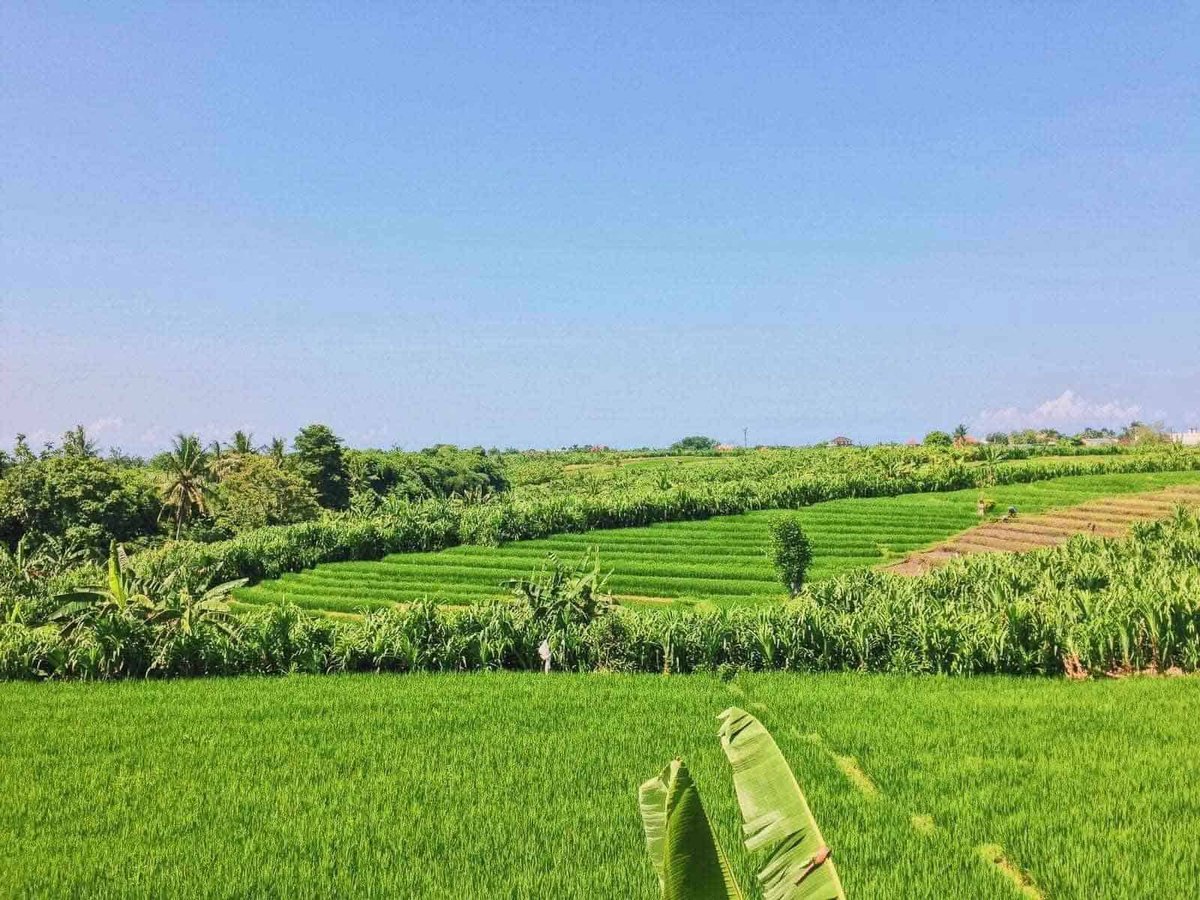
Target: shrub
column 791, row 552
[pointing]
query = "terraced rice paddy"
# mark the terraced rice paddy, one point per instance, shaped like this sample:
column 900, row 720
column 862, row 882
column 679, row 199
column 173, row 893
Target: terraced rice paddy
column 721, row 560
column 524, row 786
column 1106, row 517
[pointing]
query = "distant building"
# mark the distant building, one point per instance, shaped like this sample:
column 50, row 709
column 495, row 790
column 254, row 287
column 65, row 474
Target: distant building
column 841, row 441
column 725, row 448
column 966, row 441
column 1189, row 438
column 1099, row 442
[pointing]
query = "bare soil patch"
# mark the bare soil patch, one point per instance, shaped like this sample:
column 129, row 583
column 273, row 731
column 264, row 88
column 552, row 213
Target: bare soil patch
column 1106, row 517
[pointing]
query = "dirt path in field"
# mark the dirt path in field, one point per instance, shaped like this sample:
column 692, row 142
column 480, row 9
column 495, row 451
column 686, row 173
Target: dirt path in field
column 1106, row 517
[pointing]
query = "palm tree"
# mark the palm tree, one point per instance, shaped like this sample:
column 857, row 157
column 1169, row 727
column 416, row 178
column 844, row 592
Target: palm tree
column 240, row 447
column 960, row 433
column 243, row 442
column 277, row 448
column 76, row 443
column 188, row 482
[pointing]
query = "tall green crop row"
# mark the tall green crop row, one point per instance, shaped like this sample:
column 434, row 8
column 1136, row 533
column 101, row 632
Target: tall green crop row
column 1090, row 606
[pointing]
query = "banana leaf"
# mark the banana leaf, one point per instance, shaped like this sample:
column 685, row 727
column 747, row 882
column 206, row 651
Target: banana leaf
column 775, row 814
column 683, row 849
column 116, row 583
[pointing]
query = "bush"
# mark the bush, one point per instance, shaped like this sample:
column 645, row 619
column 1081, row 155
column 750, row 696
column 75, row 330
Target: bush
column 791, row 552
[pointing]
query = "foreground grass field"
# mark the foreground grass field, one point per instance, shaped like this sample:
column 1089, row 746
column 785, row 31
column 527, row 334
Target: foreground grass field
column 523, row 786
column 722, row 559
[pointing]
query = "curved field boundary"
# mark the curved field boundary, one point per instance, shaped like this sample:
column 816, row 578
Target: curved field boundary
column 1106, row 517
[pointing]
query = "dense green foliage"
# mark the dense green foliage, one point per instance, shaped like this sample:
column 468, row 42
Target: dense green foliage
column 522, row 785
column 79, row 499
column 212, row 493
column 257, row 491
column 319, row 458
column 791, row 551
column 377, row 476
column 630, row 497
column 724, row 560
column 1091, row 606
column 694, row 442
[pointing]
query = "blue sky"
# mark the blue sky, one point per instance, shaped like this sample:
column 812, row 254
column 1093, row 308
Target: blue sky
column 535, row 225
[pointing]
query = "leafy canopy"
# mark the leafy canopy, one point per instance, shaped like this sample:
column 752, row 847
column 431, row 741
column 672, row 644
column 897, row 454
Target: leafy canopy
column 695, row 442
column 256, row 491
column 80, row 499
column 320, row 459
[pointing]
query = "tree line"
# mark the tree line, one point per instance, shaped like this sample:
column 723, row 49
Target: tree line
column 70, row 494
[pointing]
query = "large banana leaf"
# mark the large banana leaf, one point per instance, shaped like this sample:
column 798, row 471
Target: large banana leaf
column 686, row 856
column 775, row 814
column 116, row 583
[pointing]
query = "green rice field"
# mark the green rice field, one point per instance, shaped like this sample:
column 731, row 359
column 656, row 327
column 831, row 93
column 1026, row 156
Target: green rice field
column 524, row 786
column 722, row 560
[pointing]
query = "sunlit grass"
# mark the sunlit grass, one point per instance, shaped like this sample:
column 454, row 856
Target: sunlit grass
column 525, row 786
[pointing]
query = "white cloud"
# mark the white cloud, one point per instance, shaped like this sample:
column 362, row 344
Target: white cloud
column 154, row 436
column 1064, row 411
column 105, row 424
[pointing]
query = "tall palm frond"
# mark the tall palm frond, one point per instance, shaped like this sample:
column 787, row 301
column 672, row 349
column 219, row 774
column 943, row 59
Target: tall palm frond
column 188, row 483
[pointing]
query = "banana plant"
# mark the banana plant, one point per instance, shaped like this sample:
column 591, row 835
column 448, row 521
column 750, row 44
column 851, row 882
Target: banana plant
column 684, row 851
column 157, row 602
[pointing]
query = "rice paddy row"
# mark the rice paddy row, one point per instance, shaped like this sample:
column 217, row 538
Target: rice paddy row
column 523, row 786
column 721, row 560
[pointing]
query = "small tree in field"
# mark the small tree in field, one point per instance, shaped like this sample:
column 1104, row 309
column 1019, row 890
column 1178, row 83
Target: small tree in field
column 791, row 551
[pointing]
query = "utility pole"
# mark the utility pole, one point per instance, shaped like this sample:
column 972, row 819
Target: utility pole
column 745, row 443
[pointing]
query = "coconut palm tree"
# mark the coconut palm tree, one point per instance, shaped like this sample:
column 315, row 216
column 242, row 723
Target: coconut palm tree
column 222, row 463
column 243, row 442
column 188, row 483
column 76, row 443
column 276, row 449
